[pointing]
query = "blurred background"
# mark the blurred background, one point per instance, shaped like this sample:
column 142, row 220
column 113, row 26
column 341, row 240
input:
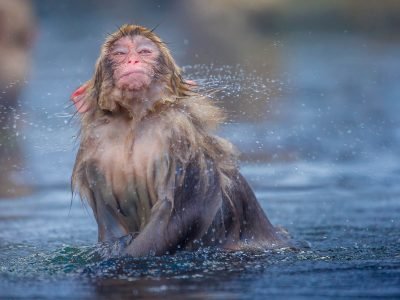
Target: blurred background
column 312, row 93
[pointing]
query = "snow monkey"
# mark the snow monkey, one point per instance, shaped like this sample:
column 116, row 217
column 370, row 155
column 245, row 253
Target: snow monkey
column 149, row 163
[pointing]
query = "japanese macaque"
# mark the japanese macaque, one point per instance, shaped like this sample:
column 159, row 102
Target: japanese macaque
column 149, row 164
column 17, row 34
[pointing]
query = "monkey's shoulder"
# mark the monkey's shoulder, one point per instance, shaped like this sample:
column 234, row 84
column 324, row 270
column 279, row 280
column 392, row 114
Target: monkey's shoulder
column 191, row 111
column 186, row 129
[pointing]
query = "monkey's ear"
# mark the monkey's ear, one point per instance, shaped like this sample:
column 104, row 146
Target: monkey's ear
column 192, row 83
column 79, row 98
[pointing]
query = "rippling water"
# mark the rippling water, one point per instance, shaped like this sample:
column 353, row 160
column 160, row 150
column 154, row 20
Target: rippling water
column 324, row 163
column 349, row 231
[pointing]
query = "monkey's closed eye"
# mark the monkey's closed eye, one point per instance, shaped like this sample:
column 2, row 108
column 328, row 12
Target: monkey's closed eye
column 144, row 51
column 118, row 53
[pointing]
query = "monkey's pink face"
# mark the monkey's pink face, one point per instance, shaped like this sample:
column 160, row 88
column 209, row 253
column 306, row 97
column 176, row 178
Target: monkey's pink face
column 134, row 61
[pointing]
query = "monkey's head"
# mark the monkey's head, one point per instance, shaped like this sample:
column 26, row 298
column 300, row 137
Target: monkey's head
column 133, row 62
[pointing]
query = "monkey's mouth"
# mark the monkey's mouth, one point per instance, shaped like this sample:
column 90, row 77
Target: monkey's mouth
column 128, row 73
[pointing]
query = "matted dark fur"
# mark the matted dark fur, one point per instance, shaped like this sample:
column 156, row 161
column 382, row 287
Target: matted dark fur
column 157, row 172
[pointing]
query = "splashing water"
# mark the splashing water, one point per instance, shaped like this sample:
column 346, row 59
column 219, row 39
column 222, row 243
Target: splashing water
column 244, row 95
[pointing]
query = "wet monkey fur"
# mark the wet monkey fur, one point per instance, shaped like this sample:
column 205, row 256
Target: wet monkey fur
column 149, row 164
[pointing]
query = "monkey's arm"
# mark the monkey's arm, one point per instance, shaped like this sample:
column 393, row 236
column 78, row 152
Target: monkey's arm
column 159, row 235
column 184, row 213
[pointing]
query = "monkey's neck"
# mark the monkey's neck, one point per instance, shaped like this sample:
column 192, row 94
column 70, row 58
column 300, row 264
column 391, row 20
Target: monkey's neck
column 137, row 104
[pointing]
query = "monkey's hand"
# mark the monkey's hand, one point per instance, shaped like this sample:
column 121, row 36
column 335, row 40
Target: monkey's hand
column 182, row 216
column 158, row 236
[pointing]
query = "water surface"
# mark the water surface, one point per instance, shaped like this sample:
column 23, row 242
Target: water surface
column 323, row 161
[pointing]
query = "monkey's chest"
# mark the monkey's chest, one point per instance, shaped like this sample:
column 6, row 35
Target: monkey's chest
column 124, row 182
